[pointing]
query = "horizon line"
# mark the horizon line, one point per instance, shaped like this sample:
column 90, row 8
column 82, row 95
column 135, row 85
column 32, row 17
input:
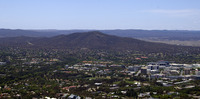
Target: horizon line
column 102, row 29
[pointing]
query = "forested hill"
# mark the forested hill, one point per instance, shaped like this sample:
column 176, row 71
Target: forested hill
column 133, row 33
column 92, row 40
column 29, row 33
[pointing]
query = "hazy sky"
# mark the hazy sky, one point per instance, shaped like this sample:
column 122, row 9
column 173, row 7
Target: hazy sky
column 100, row 14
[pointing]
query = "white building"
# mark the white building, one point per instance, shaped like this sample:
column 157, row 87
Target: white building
column 2, row 63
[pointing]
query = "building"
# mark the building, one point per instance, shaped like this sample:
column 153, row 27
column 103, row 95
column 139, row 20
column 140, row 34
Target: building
column 66, row 66
column 134, row 68
column 163, row 63
column 87, row 65
column 151, row 63
column 144, row 70
column 72, row 96
column 115, row 65
column 197, row 72
column 187, row 71
column 159, row 63
column 2, row 63
column 153, row 67
column 174, row 72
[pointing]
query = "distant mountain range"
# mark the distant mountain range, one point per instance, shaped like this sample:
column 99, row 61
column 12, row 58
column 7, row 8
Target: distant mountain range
column 18, row 32
column 90, row 40
column 133, row 33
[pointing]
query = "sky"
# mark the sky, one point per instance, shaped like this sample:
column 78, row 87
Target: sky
column 100, row 14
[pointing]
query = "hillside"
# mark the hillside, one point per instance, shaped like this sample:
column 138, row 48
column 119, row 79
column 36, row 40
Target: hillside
column 91, row 40
column 29, row 33
column 136, row 33
column 180, row 35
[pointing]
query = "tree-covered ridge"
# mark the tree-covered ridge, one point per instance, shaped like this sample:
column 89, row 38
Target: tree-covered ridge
column 94, row 40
